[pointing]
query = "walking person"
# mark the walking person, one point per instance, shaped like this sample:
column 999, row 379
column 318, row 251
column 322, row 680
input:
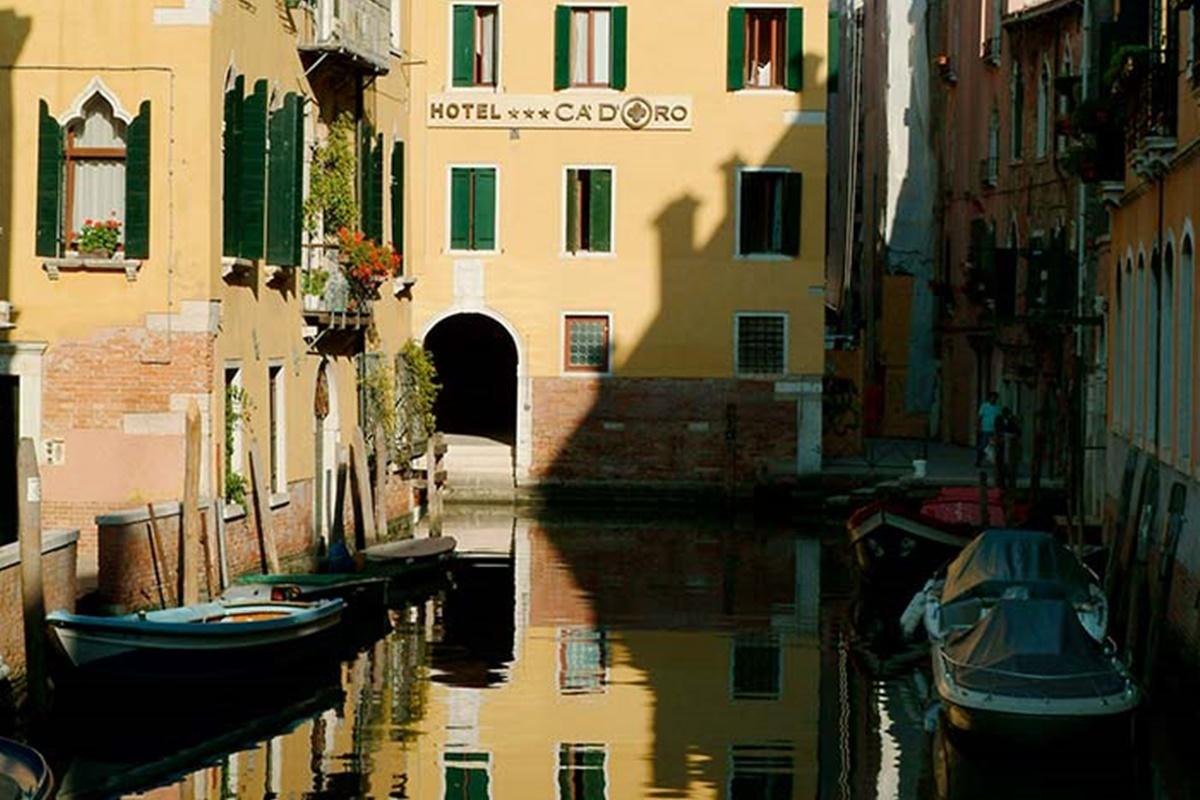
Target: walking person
column 989, row 412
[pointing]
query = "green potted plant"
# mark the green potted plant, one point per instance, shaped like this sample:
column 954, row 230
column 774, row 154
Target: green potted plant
column 365, row 264
column 312, row 287
column 99, row 238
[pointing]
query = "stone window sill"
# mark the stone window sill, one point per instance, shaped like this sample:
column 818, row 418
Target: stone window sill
column 54, row 266
column 280, row 499
column 233, row 511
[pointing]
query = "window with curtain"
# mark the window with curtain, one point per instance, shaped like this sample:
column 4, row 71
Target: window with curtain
column 766, row 48
column 475, row 45
column 95, row 167
column 591, row 46
column 589, row 211
column 581, row 772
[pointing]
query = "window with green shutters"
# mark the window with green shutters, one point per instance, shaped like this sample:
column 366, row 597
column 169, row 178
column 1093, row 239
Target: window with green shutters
column 769, row 212
column 231, row 195
column 397, row 189
column 591, row 46
column 581, row 772
column 371, row 188
column 475, row 47
column 49, row 184
column 765, row 48
column 473, row 206
column 467, row 775
column 589, row 212
column 286, row 182
column 253, row 184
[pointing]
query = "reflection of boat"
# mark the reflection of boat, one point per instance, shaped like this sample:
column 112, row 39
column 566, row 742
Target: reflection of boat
column 1028, row 672
column 409, row 556
column 199, row 641
column 896, row 542
column 1006, row 564
column 24, row 774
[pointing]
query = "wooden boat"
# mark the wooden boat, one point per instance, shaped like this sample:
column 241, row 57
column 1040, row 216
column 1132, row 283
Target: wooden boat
column 1006, row 564
column 24, row 773
column 409, row 556
column 1029, row 674
column 207, row 640
column 361, row 593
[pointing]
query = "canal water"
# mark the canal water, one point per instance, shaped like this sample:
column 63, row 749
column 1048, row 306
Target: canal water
column 591, row 657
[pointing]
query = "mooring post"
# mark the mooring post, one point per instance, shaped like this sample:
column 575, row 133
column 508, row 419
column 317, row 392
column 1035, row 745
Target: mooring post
column 434, row 452
column 219, row 514
column 360, row 488
column 33, row 601
column 189, row 532
column 261, row 502
column 337, row 530
column 381, row 464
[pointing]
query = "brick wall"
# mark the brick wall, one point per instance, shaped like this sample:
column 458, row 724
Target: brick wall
column 659, row 429
column 58, row 582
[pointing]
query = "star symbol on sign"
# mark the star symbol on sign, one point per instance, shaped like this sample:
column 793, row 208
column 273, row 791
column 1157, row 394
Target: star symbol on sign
column 514, row 113
column 529, row 113
column 545, row 113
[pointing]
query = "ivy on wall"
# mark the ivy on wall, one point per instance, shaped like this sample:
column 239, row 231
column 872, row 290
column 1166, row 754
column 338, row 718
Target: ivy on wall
column 331, row 204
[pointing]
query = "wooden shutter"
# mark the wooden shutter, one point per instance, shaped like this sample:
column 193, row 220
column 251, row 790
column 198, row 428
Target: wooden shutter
column 601, row 211
column 284, row 180
column 49, row 183
column 793, row 207
column 562, row 47
column 460, row 208
column 365, row 135
column 254, row 172
column 572, row 211
column 374, row 175
column 834, row 48
column 736, row 55
column 232, row 139
column 137, row 184
column 620, row 47
column 398, row 198
column 485, row 209
column 463, row 73
column 795, row 49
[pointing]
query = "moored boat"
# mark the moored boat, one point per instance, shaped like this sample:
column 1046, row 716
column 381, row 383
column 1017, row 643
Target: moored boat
column 207, row 640
column 893, row 543
column 1028, row 673
column 409, row 556
column 24, row 773
column 1006, row 564
column 361, row 593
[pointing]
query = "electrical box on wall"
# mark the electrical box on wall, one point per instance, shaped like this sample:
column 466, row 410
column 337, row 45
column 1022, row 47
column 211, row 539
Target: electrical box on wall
column 56, row 452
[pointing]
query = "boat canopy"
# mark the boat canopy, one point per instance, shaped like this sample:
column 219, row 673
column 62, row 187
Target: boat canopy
column 1032, row 648
column 999, row 559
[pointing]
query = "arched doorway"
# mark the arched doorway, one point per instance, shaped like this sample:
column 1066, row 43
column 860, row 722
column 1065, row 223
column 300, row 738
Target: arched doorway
column 476, row 361
column 326, row 426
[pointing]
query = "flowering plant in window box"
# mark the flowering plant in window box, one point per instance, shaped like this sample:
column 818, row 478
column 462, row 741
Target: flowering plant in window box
column 99, row 238
column 365, row 264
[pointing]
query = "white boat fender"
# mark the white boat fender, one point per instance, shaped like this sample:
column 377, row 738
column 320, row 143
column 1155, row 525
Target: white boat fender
column 914, row 612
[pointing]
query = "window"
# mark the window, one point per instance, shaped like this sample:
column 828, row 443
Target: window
column 589, row 210
column 769, row 212
column 467, row 775
column 582, row 661
column 586, row 343
column 1166, row 368
column 235, row 412
column 1017, row 114
column 1186, row 352
column 581, row 773
column 1138, row 352
column 761, row 771
column 1119, row 357
column 1129, row 337
column 766, row 48
column 761, row 344
column 757, row 666
column 591, row 46
column 1064, row 100
column 394, row 31
column 95, row 159
column 473, row 208
column 277, row 415
column 990, row 51
column 991, row 167
column 1042, row 134
column 1148, row 351
column 476, row 36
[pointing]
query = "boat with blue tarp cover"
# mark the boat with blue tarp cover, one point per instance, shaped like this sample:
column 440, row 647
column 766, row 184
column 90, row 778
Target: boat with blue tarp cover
column 24, row 773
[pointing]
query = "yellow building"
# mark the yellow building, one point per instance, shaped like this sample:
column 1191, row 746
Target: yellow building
column 192, row 126
column 618, row 227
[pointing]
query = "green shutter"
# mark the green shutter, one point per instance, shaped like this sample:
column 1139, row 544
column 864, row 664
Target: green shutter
column 137, row 184
column 464, row 46
column 562, row 47
column 795, row 49
column 834, row 48
column 398, row 198
column 365, row 134
column 485, row 209
column 736, row 55
column 601, row 211
column 49, row 183
column 254, row 172
column 620, row 46
column 460, row 208
column 283, row 196
column 373, row 224
column 232, row 139
column 572, row 211
column 793, row 197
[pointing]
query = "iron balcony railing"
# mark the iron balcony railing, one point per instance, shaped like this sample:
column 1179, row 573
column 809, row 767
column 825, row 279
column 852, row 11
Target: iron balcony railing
column 357, row 29
column 1154, row 99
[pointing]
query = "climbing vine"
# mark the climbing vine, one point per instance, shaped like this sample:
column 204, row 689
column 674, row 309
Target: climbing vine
column 331, row 203
column 417, row 394
column 238, row 408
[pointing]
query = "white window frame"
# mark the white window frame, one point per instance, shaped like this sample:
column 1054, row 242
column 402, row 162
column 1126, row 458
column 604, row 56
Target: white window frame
column 499, row 86
column 582, row 255
column 449, row 249
column 394, row 29
column 562, row 349
column 767, row 89
column 737, row 369
column 561, row 635
column 279, row 491
column 584, row 6
column 737, row 217
column 237, row 457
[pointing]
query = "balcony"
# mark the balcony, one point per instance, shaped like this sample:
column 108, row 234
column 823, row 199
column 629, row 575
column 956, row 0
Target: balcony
column 355, row 32
column 334, row 322
column 1151, row 88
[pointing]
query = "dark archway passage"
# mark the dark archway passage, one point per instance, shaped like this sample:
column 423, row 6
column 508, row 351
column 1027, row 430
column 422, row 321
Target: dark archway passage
column 476, row 362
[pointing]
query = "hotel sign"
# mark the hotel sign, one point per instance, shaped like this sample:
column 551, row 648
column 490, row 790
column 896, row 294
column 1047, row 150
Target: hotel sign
column 561, row 111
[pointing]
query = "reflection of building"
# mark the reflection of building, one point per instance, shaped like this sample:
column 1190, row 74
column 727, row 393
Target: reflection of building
column 189, row 125
column 621, row 246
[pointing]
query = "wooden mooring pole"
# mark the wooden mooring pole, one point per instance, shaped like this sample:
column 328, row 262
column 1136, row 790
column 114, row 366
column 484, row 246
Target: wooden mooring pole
column 360, row 491
column 434, row 478
column 337, row 530
column 189, row 532
column 261, row 502
column 33, row 601
column 381, row 465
